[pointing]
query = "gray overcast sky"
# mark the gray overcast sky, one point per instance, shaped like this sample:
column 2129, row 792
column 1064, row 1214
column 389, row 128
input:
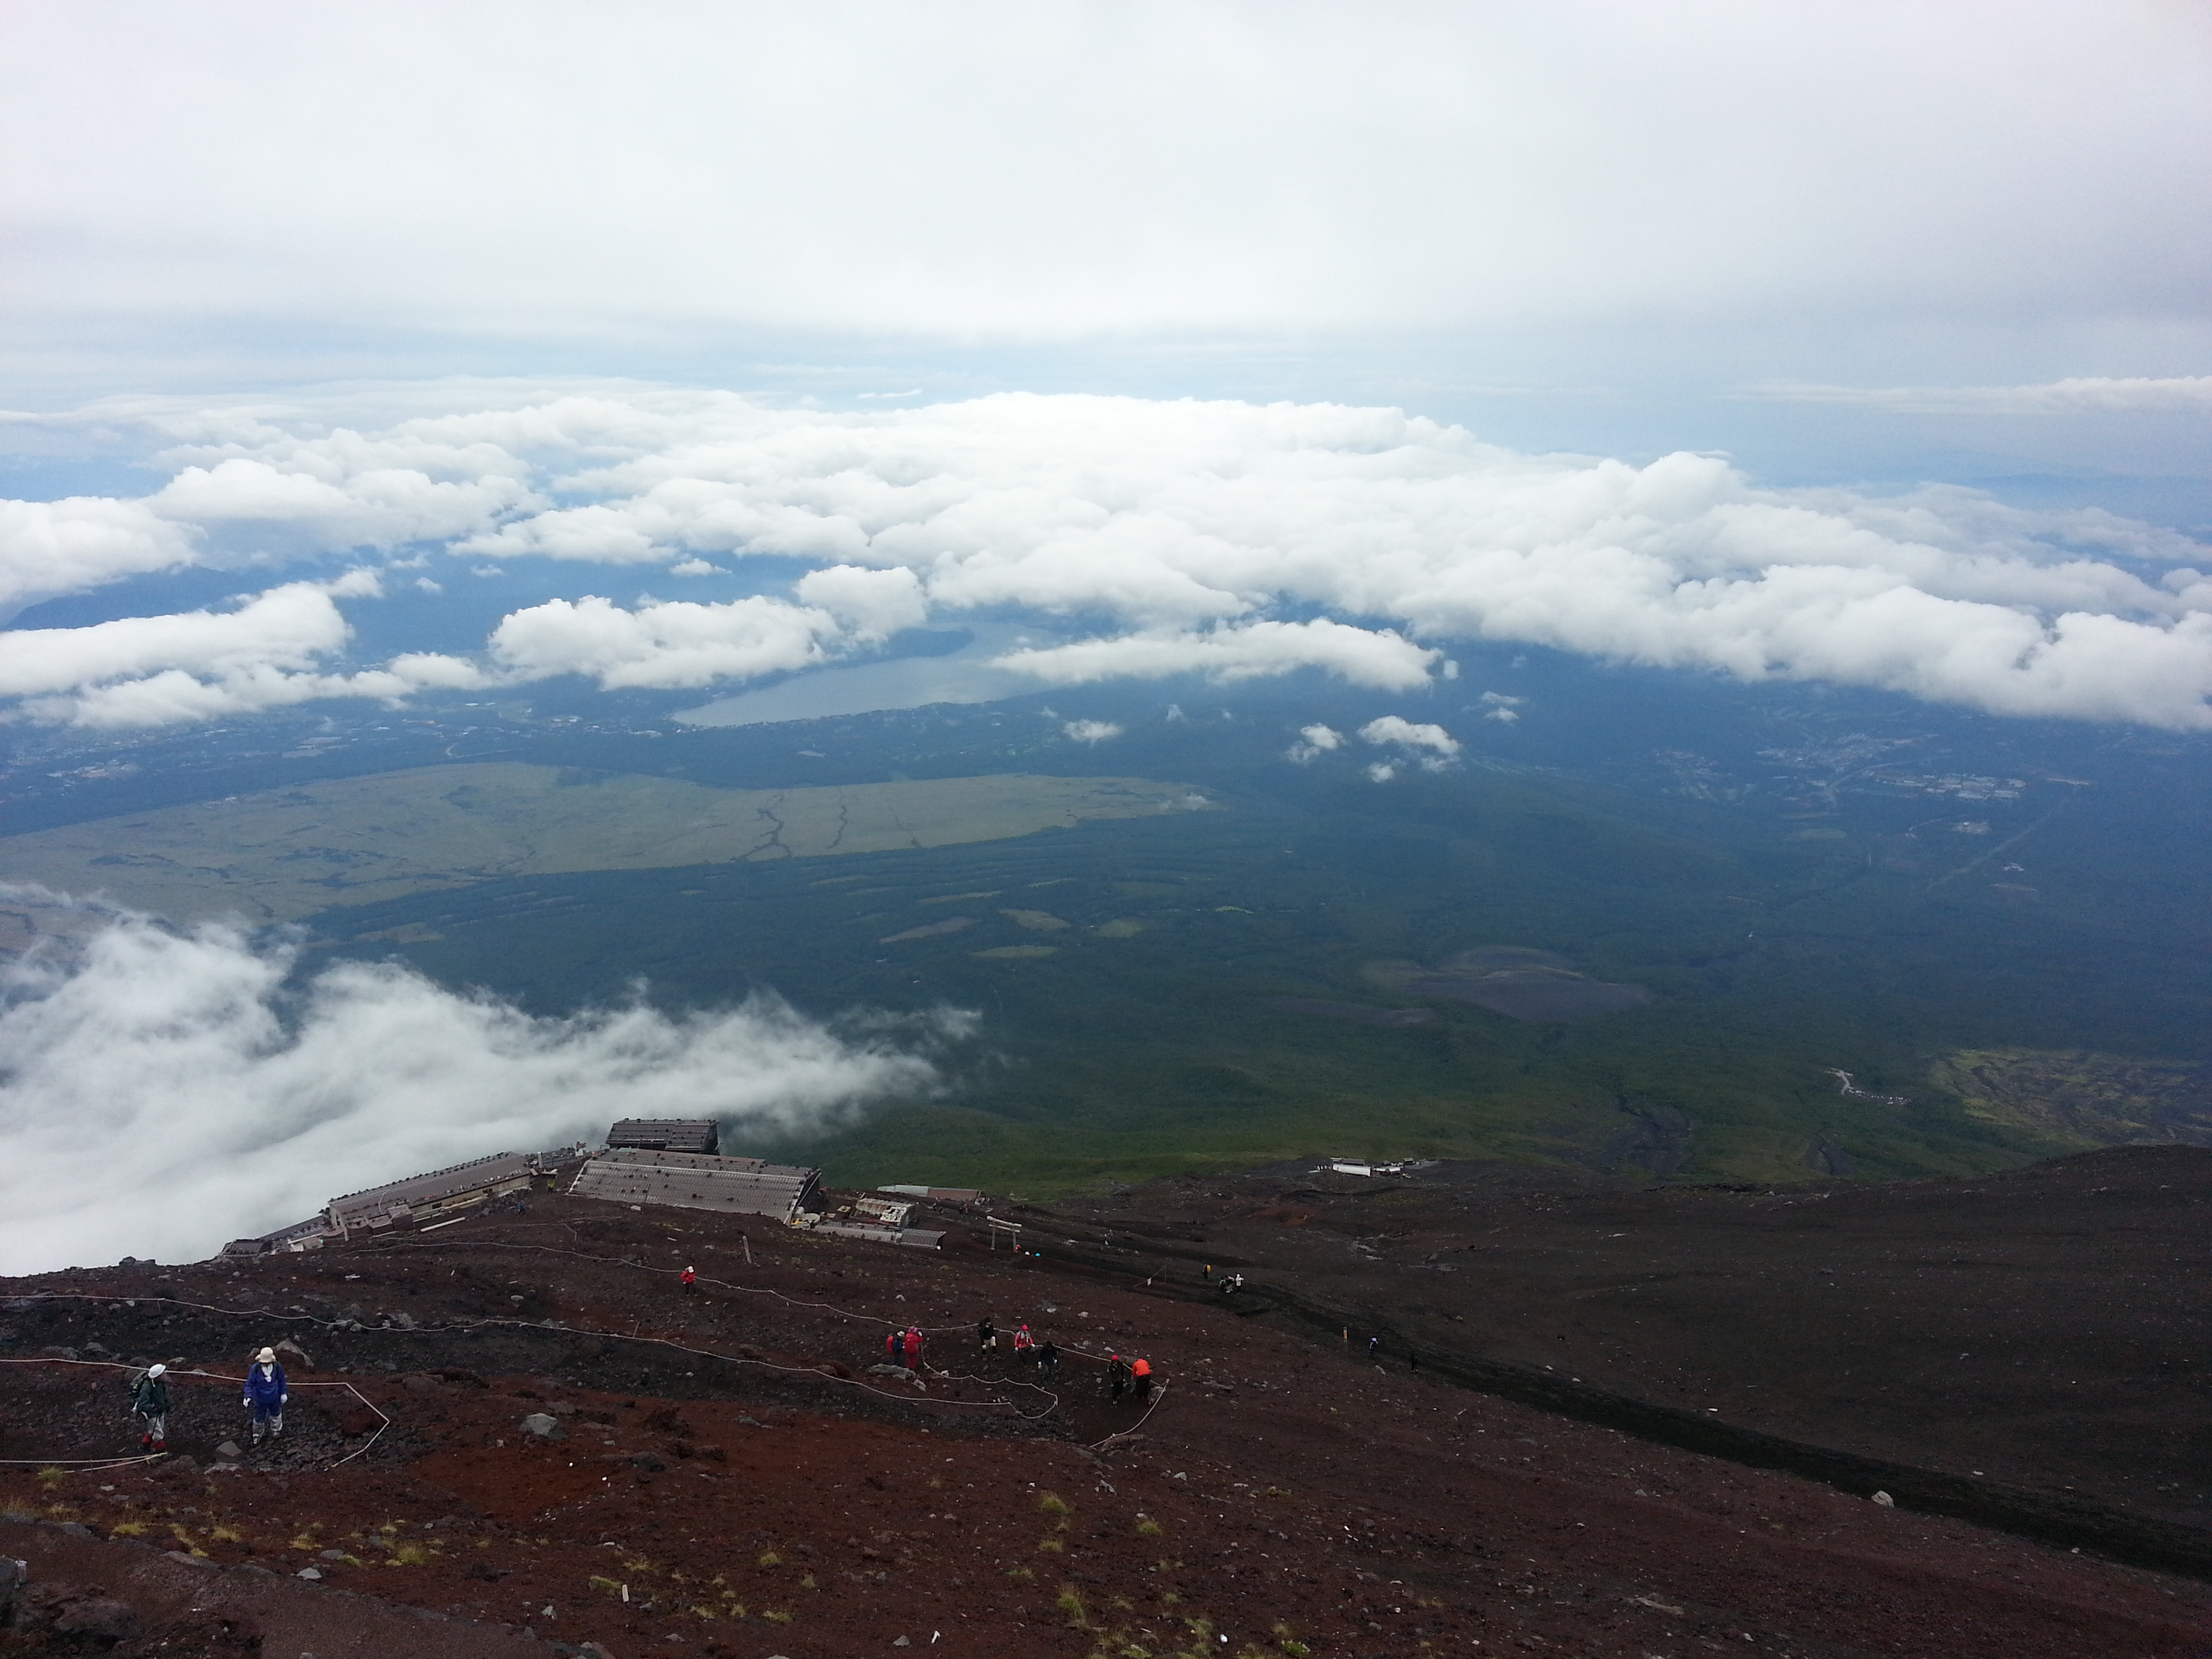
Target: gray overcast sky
column 1585, row 225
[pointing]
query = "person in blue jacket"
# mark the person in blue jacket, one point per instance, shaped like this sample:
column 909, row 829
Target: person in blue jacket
column 266, row 1394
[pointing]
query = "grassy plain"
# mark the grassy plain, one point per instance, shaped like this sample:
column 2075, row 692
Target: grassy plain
column 289, row 853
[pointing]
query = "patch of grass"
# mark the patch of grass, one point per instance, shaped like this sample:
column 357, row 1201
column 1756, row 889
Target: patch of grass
column 1148, row 1528
column 1053, row 1546
column 606, row 1586
column 808, row 1583
column 1052, row 1504
column 1070, row 1601
column 1022, row 1574
column 775, row 1616
column 408, row 1555
column 50, row 1477
column 126, row 1528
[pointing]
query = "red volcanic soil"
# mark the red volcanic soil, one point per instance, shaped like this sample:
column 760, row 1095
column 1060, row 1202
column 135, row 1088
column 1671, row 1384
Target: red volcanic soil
column 730, row 1479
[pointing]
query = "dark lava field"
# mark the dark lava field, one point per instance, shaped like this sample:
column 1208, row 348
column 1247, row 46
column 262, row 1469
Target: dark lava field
column 1463, row 1410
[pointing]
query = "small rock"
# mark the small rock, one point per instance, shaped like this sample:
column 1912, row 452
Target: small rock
column 903, row 1643
column 297, row 1359
column 100, row 1617
column 561, row 1408
column 229, row 1449
column 545, row 1427
column 1885, row 1500
column 311, row 1574
column 333, row 1555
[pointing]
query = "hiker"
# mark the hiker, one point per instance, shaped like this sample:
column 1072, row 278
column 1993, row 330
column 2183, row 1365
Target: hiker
column 266, row 1394
column 895, row 1346
column 688, row 1277
column 1117, row 1377
column 986, row 1334
column 1049, row 1361
column 913, row 1348
column 1374, row 1347
column 1025, row 1344
column 1206, row 1272
column 1141, row 1377
column 1413, row 1360
column 150, row 1400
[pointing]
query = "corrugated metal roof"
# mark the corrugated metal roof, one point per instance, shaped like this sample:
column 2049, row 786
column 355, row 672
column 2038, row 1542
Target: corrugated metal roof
column 693, row 1181
column 477, row 1174
column 673, row 1134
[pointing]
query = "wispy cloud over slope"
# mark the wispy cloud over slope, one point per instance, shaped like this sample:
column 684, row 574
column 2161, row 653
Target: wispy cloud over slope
column 1220, row 538
column 173, row 1090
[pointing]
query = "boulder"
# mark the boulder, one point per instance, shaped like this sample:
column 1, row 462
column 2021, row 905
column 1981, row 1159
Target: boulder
column 545, row 1427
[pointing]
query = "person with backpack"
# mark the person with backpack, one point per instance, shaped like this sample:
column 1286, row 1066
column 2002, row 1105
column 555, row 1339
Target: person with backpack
column 914, row 1349
column 149, row 1402
column 895, row 1346
column 1117, row 1377
column 1047, row 1361
column 266, row 1393
column 1025, row 1344
column 986, row 1334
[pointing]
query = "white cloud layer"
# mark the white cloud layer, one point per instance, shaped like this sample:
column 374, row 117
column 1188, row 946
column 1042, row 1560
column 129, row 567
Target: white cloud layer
column 175, row 1090
column 1219, row 539
column 1025, row 171
column 2083, row 395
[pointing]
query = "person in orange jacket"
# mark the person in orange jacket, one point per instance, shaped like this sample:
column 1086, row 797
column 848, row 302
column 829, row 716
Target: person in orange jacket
column 1141, row 1377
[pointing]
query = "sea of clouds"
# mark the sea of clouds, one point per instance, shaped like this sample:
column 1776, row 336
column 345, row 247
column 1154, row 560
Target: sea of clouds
column 171, row 1090
column 1222, row 538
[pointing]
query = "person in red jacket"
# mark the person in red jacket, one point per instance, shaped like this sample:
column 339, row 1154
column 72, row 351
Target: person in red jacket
column 895, row 1346
column 689, row 1277
column 914, row 1347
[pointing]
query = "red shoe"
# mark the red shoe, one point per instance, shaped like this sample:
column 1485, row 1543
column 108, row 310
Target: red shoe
column 145, row 1441
column 161, row 1447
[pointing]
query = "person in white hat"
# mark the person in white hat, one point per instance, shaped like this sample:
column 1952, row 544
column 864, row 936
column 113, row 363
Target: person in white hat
column 150, row 1400
column 266, row 1393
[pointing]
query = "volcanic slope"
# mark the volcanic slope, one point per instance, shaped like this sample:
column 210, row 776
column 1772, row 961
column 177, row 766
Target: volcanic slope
column 2042, row 1329
column 729, row 1472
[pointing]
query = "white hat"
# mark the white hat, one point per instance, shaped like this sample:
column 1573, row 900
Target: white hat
column 266, row 1357
column 155, row 1370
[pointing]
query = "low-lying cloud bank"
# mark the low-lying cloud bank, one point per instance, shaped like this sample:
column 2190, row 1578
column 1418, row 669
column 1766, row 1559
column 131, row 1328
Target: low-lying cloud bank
column 1220, row 538
column 173, row 1090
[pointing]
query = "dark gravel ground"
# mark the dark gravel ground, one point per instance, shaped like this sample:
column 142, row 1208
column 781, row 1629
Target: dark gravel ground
column 729, row 1478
